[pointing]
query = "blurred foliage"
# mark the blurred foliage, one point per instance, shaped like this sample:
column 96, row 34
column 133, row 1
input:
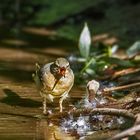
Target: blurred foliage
column 41, row 12
column 15, row 11
column 67, row 17
column 62, row 15
column 60, row 9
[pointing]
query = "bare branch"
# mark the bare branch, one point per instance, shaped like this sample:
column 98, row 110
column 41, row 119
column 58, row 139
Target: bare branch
column 95, row 111
column 128, row 132
column 125, row 72
column 124, row 87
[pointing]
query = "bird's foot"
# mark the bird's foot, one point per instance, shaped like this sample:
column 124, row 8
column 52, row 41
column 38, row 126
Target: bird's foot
column 72, row 108
column 48, row 112
column 45, row 112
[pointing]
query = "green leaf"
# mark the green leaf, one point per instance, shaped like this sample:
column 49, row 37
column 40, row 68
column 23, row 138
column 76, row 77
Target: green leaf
column 119, row 62
column 134, row 49
column 90, row 71
column 91, row 61
column 85, row 42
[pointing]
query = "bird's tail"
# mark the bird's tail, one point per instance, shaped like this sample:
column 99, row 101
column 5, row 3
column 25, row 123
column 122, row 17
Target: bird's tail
column 35, row 75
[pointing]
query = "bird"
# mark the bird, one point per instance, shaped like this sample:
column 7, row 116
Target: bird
column 54, row 80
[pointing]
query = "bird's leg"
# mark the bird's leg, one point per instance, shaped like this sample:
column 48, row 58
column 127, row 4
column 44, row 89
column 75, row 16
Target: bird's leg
column 44, row 106
column 61, row 101
column 60, row 104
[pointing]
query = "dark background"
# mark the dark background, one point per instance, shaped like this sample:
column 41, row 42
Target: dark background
column 117, row 18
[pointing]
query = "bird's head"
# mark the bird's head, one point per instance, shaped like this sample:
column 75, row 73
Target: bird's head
column 60, row 67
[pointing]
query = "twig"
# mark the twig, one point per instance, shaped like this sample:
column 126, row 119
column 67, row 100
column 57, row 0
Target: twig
column 128, row 132
column 125, row 72
column 103, row 111
column 133, row 104
column 122, row 105
column 124, row 87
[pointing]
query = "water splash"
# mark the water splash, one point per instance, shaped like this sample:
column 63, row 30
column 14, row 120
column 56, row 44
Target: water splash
column 79, row 126
column 83, row 126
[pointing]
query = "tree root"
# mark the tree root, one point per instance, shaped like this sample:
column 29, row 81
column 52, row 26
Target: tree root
column 103, row 111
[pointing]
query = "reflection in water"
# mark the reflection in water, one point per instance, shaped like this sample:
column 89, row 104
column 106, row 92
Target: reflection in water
column 76, row 126
column 83, row 126
column 48, row 131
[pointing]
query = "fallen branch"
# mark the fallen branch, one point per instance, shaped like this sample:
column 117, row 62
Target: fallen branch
column 103, row 111
column 124, row 87
column 125, row 72
column 126, row 133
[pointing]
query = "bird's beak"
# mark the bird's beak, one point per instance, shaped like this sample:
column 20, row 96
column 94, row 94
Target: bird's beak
column 62, row 71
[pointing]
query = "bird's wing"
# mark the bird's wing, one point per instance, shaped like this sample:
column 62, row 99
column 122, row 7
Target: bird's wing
column 45, row 74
